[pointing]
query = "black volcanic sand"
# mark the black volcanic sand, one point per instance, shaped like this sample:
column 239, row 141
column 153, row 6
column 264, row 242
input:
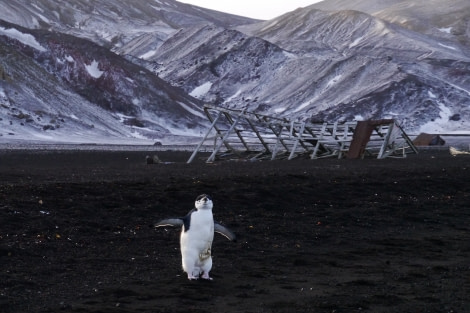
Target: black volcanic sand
column 325, row 235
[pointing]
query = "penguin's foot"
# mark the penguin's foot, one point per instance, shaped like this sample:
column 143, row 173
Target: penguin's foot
column 206, row 276
column 191, row 277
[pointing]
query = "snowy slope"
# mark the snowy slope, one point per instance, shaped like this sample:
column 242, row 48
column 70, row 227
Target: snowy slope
column 98, row 86
column 113, row 23
column 441, row 19
column 55, row 86
column 322, row 65
column 156, row 63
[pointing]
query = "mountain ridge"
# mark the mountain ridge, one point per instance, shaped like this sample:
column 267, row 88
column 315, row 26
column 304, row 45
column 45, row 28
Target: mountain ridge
column 440, row 19
column 311, row 63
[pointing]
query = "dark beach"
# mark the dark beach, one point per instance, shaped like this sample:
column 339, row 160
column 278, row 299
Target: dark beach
column 326, row 235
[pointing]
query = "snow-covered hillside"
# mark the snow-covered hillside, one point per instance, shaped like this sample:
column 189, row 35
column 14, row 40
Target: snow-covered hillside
column 368, row 68
column 337, row 65
column 143, row 69
column 69, row 89
column 113, row 23
column 58, row 87
column 444, row 20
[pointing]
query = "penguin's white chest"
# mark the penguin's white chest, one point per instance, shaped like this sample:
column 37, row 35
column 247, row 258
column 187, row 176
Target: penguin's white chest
column 198, row 238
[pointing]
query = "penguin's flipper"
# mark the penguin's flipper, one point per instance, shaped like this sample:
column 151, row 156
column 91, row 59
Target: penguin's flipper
column 224, row 231
column 170, row 222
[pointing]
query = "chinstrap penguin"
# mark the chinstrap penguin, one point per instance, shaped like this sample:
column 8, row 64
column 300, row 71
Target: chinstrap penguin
column 196, row 238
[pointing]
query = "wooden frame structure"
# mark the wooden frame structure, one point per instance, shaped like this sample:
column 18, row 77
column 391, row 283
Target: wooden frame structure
column 256, row 136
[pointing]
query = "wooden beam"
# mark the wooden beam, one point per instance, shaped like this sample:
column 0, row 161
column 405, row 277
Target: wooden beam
column 227, row 134
column 204, row 139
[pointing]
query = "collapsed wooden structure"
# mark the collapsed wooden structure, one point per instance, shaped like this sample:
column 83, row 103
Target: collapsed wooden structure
column 255, row 136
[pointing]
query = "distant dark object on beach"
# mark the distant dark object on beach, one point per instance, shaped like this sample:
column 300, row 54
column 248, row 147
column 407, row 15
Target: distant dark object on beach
column 157, row 143
column 152, row 160
column 425, row 139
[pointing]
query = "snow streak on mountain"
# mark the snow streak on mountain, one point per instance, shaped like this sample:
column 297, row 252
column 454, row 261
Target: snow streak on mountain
column 128, row 70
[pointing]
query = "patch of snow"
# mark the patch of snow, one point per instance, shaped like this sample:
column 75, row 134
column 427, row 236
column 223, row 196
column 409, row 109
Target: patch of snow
column 74, row 117
column 446, row 46
column 303, row 105
column 35, row 22
column 43, row 18
column 279, row 110
column 43, row 136
column 431, row 95
column 135, row 101
column 148, row 55
column 358, row 117
column 37, row 7
column 439, row 125
column 177, row 130
column 192, row 111
column 446, row 30
column 355, row 42
column 274, row 23
column 333, row 81
column 129, row 80
column 93, row 69
column 201, row 90
column 122, row 117
column 106, row 35
column 290, row 55
column 233, row 96
column 26, row 39
column 69, row 59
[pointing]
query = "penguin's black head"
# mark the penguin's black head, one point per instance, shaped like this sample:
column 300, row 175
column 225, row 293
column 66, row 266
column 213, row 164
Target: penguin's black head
column 203, row 202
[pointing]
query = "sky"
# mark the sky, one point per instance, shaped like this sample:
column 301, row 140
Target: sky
column 258, row 9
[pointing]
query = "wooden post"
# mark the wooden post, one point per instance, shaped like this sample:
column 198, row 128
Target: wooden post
column 212, row 156
column 204, row 139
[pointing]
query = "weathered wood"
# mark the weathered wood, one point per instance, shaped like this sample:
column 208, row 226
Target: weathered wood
column 193, row 155
column 212, row 156
column 286, row 138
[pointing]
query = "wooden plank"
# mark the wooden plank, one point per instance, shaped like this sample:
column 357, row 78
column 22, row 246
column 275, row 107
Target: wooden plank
column 212, row 156
column 294, row 147
column 193, row 155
